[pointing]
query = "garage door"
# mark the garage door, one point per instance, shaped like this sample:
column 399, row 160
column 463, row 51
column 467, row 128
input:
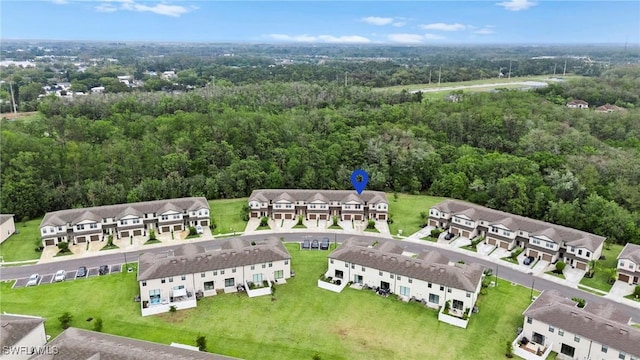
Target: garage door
column 95, row 237
column 383, row 217
column 357, row 217
column 165, row 229
column 504, row 245
column 465, row 234
column 323, row 216
column 312, row 216
column 177, row 227
column 547, row 257
column 623, row 277
column 581, row 265
column 347, row 217
column 454, row 231
column 137, row 232
column 431, row 223
column 126, row 233
column 81, row 239
column 492, row 241
column 277, row 216
column 533, row 253
column 49, row 242
column 288, row 216
column 204, row 222
column 254, row 214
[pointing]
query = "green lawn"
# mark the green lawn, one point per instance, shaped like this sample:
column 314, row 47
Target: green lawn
column 600, row 277
column 509, row 259
column 226, row 214
column 22, row 246
column 107, row 247
column 429, row 238
column 561, row 276
column 406, row 211
column 304, row 320
column 470, row 248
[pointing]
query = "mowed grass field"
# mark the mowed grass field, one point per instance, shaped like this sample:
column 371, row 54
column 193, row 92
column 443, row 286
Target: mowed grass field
column 22, row 246
column 303, row 321
column 434, row 84
column 405, row 211
column 227, row 214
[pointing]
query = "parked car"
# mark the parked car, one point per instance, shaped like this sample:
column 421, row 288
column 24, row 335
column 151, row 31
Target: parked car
column 306, row 244
column 104, row 270
column 33, row 280
column 449, row 236
column 315, row 244
column 60, row 276
column 199, row 229
column 528, row 260
column 324, row 245
column 82, row 272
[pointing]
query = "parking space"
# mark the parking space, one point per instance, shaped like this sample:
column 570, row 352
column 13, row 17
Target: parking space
column 71, row 275
column 46, row 279
column 20, row 283
column 116, row 268
column 92, row 272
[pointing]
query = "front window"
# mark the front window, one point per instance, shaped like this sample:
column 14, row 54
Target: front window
column 208, row 285
column 279, row 274
column 434, row 299
column 404, row 291
column 229, row 282
column 605, row 348
column 154, row 296
column 576, row 338
column 183, row 277
column 529, row 320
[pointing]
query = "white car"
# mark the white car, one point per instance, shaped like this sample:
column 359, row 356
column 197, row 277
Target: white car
column 60, row 276
column 199, row 229
column 33, row 280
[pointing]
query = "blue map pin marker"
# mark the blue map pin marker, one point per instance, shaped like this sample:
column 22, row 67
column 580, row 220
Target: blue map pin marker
column 359, row 185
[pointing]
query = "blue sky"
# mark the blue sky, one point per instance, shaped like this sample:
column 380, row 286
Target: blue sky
column 389, row 22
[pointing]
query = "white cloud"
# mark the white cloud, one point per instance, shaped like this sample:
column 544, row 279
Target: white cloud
column 443, row 27
column 131, row 5
column 399, row 24
column 516, row 5
column 484, row 31
column 376, row 20
column 60, row 2
column 351, row 39
column 413, row 38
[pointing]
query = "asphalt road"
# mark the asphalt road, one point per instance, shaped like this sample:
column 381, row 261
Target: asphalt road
column 21, row 272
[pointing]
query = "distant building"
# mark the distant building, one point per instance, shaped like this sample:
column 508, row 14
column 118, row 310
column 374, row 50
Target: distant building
column 607, row 108
column 168, row 75
column 97, row 90
column 629, row 264
column 7, row 226
column 578, row 104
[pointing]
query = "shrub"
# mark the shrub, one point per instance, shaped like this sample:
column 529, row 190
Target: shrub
column 63, row 246
column 264, row 221
column 110, row 240
column 560, row 265
column 447, row 306
column 435, row 233
column 192, row 231
column 636, row 291
column 316, row 357
column 97, row 326
column 201, row 341
column 173, row 309
column 152, row 234
column 371, row 224
column 516, row 252
column 509, row 349
column 65, row 320
column 581, row 302
column 299, row 220
column 335, row 220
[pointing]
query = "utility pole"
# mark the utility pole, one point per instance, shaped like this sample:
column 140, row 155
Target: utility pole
column 345, row 78
column 564, row 72
column 509, row 69
column 13, row 99
column 439, row 75
column 554, row 69
column 429, row 76
column 532, row 285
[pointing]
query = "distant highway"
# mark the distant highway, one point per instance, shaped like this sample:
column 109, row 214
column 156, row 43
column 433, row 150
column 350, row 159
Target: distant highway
column 21, row 272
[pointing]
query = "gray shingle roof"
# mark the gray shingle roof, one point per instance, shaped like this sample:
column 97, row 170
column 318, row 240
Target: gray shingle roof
column 192, row 258
column 5, row 217
column 589, row 322
column 460, row 276
column 78, row 344
column 62, row 217
column 15, row 327
column 631, row 252
column 308, row 195
column 571, row 236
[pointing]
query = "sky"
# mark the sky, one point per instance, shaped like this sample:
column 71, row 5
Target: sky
column 348, row 22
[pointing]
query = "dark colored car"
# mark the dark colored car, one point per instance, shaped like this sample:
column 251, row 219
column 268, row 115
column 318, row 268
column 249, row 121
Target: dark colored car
column 82, row 272
column 315, row 244
column 528, row 260
column 324, row 245
column 449, row 236
column 306, row 244
column 104, row 270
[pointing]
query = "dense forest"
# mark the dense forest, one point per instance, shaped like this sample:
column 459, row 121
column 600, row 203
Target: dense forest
column 523, row 152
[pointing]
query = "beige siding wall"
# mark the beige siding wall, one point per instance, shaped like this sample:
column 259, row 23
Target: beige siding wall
column 36, row 338
column 6, row 229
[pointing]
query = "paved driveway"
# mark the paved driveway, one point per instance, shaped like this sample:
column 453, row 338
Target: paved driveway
column 573, row 276
column 621, row 289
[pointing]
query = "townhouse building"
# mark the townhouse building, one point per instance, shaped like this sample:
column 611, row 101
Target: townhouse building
column 20, row 335
column 629, row 264
column 176, row 277
column 555, row 323
column 430, row 277
column 123, row 220
column 7, row 226
column 542, row 240
column 347, row 205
